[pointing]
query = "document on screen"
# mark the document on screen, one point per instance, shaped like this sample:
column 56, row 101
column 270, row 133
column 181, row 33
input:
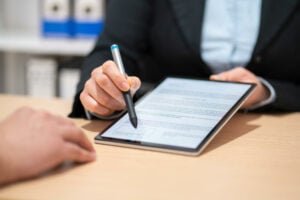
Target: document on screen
column 179, row 114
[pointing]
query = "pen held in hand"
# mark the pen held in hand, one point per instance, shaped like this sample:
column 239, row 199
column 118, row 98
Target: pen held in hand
column 127, row 97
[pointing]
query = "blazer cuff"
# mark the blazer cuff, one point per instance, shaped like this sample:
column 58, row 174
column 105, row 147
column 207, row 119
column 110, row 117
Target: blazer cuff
column 91, row 115
column 270, row 100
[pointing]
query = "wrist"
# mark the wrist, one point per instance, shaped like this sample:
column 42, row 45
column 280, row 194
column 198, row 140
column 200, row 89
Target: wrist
column 266, row 98
column 4, row 169
column 7, row 171
column 91, row 115
column 264, row 93
column 5, row 174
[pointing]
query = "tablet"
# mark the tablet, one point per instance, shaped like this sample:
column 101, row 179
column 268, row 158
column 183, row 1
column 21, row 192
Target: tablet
column 180, row 115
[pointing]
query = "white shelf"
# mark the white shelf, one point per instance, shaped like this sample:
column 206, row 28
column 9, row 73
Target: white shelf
column 33, row 44
column 21, row 40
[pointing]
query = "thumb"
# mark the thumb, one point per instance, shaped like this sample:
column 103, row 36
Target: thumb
column 76, row 153
column 135, row 84
column 217, row 77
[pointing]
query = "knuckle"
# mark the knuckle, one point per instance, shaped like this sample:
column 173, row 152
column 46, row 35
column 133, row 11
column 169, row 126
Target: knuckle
column 93, row 107
column 82, row 97
column 94, row 72
column 103, row 81
column 108, row 63
column 87, row 84
column 105, row 100
column 107, row 66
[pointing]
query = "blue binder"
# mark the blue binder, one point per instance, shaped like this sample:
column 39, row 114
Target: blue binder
column 57, row 18
column 88, row 18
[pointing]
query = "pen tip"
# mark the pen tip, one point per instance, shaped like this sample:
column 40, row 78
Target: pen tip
column 134, row 122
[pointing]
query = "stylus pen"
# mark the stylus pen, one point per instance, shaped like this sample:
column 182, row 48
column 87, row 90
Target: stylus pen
column 127, row 97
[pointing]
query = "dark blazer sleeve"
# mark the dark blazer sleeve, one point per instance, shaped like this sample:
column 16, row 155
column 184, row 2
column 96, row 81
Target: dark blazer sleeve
column 127, row 24
column 287, row 96
column 276, row 57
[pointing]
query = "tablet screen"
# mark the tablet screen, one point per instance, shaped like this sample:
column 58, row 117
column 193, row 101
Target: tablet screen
column 179, row 114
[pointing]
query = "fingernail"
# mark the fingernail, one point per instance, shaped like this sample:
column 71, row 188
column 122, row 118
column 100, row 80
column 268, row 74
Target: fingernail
column 215, row 77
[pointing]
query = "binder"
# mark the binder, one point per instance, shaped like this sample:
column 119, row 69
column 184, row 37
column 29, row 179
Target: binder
column 68, row 79
column 57, row 18
column 88, row 18
column 41, row 77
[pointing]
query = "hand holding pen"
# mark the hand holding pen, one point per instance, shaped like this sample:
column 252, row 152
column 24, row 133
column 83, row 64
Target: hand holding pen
column 102, row 92
column 126, row 94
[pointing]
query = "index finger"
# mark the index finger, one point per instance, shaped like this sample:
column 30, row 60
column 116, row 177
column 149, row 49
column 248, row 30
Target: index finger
column 75, row 135
column 111, row 70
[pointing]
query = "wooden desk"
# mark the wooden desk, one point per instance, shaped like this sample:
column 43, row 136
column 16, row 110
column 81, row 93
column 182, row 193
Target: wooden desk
column 254, row 157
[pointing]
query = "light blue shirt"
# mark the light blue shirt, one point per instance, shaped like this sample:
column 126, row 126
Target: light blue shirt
column 229, row 33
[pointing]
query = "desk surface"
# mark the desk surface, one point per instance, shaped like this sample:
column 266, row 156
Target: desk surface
column 255, row 156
